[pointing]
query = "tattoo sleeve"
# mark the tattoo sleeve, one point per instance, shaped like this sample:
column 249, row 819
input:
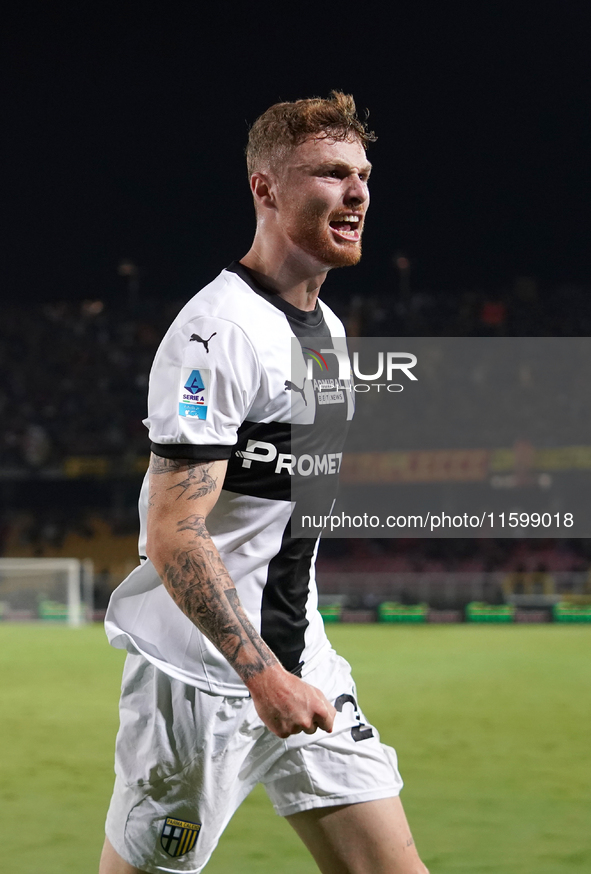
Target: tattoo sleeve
column 199, row 583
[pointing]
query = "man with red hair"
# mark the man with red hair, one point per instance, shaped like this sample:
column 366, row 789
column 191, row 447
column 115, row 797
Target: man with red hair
column 230, row 679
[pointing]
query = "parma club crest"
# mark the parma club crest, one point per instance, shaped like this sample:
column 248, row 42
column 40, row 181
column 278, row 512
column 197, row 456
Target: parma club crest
column 179, row 837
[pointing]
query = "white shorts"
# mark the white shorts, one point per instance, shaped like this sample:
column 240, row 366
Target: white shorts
column 185, row 760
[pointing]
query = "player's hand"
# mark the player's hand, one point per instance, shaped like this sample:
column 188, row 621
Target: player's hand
column 288, row 705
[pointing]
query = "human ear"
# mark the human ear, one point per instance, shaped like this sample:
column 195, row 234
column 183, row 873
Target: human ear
column 262, row 190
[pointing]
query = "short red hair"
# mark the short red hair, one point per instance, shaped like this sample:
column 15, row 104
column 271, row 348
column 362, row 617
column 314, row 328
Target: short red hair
column 285, row 125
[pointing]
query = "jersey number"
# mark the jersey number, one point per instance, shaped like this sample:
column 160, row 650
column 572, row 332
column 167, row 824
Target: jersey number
column 358, row 732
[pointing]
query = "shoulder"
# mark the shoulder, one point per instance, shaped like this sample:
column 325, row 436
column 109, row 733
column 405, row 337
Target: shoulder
column 225, row 297
column 228, row 297
column 230, row 304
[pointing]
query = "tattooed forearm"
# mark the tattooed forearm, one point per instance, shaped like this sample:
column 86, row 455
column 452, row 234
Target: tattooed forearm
column 190, row 565
column 206, row 595
column 255, row 638
column 201, row 586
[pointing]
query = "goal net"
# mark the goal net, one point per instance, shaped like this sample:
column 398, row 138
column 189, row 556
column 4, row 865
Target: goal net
column 46, row 589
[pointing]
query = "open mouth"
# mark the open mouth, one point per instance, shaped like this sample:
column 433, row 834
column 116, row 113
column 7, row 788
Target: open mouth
column 347, row 227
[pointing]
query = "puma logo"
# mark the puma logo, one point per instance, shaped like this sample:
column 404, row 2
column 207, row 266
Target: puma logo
column 291, row 386
column 201, row 340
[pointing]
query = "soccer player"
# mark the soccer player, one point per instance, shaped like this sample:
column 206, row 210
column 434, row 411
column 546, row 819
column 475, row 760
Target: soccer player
column 230, row 679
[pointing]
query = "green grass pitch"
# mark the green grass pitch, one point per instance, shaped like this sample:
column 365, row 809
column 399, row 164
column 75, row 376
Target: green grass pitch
column 491, row 724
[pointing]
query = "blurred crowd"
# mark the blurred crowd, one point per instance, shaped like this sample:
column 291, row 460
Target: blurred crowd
column 463, row 555
column 74, row 375
column 521, row 309
column 73, row 381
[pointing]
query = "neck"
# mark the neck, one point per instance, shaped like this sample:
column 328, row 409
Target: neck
column 286, row 273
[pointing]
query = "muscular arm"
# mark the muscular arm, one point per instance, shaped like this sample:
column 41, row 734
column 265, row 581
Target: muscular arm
column 182, row 494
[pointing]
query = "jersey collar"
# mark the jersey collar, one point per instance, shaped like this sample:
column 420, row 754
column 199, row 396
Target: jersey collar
column 311, row 318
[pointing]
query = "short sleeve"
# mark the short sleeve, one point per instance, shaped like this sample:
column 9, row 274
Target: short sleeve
column 203, row 382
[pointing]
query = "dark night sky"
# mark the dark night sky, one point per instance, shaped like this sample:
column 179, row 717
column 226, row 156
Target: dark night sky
column 125, row 124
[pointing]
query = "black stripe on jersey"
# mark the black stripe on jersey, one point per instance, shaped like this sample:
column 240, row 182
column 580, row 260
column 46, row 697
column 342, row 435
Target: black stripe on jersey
column 195, row 452
column 283, row 606
column 286, row 591
column 258, row 478
column 270, row 478
column 310, row 319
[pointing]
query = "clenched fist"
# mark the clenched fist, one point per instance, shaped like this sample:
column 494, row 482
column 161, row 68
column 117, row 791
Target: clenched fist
column 288, row 705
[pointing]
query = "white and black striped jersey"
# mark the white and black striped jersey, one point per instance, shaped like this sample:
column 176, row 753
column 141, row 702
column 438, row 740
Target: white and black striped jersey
column 224, row 385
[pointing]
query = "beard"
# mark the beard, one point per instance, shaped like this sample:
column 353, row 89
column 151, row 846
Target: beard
column 310, row 231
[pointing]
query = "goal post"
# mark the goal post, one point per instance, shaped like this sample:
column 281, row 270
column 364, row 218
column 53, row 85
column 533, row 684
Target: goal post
column 46, row 589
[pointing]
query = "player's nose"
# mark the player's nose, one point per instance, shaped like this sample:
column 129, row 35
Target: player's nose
column 357, row 191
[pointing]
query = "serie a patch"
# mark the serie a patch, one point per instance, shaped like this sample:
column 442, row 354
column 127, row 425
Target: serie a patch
column 194, row 393
column 179, row 837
